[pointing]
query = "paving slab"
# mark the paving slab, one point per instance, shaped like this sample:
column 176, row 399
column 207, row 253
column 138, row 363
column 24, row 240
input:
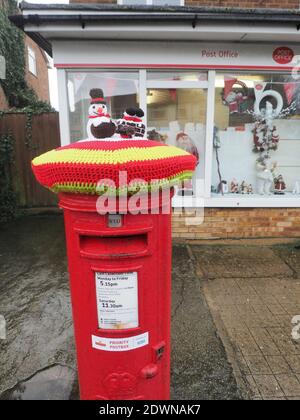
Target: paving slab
column 200, row 369
column 239, row 262
column 291, row 256
column 290, row 384
column 258, row 326
column 268, row 386
column 278, row 365
column 294, row 363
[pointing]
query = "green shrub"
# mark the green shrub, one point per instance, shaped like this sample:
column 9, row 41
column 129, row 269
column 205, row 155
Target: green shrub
column 8, row 199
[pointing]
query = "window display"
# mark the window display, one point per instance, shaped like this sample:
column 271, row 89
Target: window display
column 120, row 91
column 257, row 135
column 178, row 117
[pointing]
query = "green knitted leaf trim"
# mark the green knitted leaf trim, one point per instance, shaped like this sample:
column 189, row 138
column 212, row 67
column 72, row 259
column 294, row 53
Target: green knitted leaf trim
column 93, row 189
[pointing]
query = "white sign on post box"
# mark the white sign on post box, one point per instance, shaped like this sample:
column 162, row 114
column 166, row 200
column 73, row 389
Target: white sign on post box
column 120, row 344
column 117, row 300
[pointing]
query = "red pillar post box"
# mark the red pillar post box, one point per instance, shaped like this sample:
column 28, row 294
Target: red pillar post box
column 120, row 276
column 119, row 259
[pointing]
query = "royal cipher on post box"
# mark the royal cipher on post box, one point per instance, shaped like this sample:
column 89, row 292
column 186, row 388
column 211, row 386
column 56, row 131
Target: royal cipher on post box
column 115, row 188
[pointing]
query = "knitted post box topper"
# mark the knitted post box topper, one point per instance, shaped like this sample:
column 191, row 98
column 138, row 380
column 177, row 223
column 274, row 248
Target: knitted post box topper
column 90, row 167
column 113, row 165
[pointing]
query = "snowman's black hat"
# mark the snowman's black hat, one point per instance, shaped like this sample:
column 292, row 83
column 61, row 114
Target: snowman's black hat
column 135, row 112
column 97, row 96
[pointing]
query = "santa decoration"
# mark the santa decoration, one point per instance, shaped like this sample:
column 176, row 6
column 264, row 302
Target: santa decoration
column 279, row 185
column 186, row 143
column 234, row 186
column 131, row 124
column 100, row 124
column 235, row 98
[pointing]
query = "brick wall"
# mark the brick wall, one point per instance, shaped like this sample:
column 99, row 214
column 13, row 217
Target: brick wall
column 283, row 4
column 38, row 83
column 239, row 223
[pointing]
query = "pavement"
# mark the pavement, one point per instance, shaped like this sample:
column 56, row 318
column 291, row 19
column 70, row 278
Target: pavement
column 253, row 293
column 38, row 356
column 232, row 306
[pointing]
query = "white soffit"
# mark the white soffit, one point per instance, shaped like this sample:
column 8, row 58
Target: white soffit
column 170, row 31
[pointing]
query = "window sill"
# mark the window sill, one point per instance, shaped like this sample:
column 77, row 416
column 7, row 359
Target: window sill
column 32, row 74
column 238, row 201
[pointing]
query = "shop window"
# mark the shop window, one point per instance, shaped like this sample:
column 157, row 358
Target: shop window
column 177, row 117
column 32, row 61
column 120, row 91
column 257, row 136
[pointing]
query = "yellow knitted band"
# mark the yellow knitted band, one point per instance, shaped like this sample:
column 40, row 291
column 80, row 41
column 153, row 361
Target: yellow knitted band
column 108, row 156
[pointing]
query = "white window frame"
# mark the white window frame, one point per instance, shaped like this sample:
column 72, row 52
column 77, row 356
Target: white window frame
column 32, row 56
column 240, row 201
column 184, row 84
column 63, row 103
column 207, row 200
column 150, row 3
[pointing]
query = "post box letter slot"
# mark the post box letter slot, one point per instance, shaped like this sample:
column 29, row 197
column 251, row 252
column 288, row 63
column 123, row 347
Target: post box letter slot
column 114, row 246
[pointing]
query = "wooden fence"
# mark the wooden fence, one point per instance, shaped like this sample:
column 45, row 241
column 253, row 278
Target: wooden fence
column 45, row 136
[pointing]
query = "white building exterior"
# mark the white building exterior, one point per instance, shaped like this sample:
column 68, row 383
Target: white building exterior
column 175, row 64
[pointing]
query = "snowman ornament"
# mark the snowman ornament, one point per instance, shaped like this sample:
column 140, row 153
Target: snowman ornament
column 265, row 169
column 100, row 124
column 131, row 124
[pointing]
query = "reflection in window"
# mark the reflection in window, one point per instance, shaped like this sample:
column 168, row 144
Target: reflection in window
column 257, row 135
column 185, row 76
column 177, row 117
column 120, row 91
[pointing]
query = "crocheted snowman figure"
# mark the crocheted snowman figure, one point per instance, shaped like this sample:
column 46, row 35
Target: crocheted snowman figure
column 131, row 124
column 100, row 124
